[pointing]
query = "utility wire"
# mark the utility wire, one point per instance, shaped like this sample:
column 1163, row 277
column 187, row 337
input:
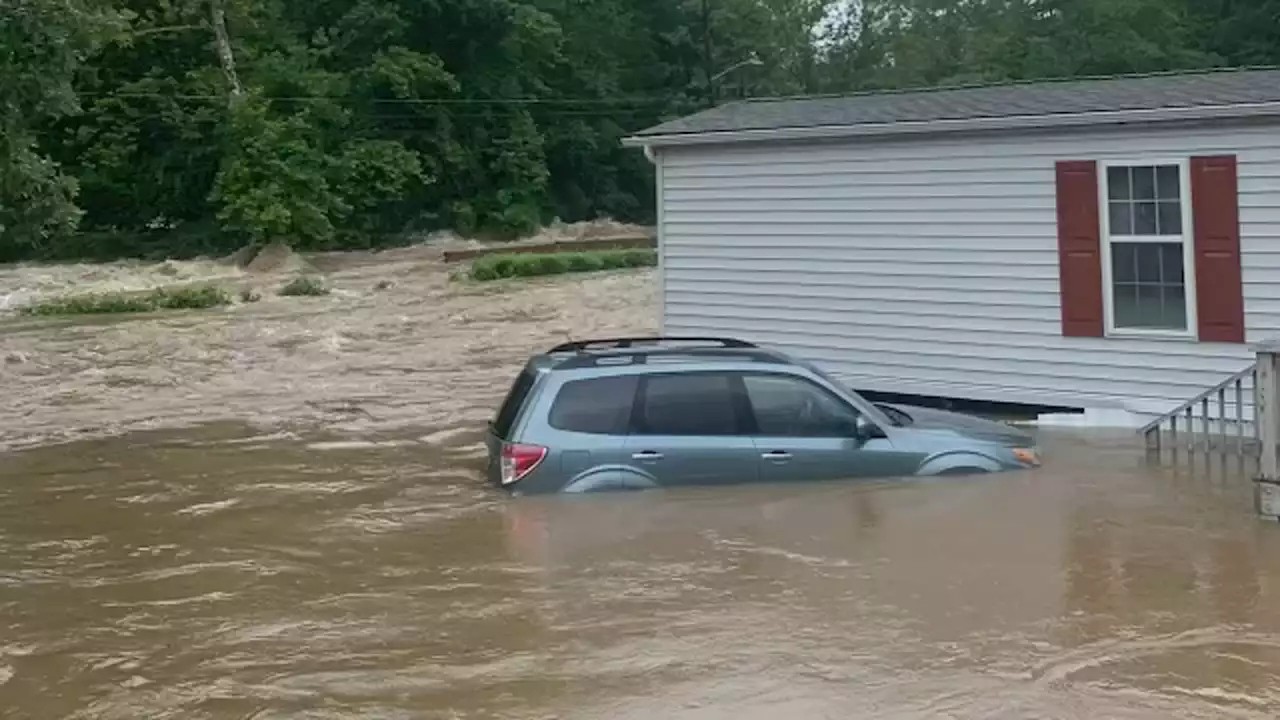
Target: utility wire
column 393, row 124
column 621, row 100
column 626, row 112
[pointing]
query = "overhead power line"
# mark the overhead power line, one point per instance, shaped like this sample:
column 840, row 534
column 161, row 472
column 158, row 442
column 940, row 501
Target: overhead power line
column 620, row 100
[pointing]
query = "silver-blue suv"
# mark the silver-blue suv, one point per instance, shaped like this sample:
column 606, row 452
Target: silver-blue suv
column 636, row 413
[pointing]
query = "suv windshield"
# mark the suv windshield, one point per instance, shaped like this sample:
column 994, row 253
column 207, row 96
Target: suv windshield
column 895, row 416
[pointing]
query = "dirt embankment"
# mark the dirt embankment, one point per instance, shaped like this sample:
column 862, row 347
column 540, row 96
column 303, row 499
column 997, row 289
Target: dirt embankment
column 396, row 345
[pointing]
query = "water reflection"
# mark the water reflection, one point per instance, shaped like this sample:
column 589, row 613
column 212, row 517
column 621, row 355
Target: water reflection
column 205, row 574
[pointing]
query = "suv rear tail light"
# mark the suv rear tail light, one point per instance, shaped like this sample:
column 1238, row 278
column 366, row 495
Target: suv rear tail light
column 520, row 460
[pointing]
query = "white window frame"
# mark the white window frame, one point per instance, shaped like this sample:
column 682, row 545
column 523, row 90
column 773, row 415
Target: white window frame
column 1187, row 239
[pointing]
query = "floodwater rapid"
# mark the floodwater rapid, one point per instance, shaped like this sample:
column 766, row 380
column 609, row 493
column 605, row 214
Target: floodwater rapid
column 261, row 561
column 396, row 344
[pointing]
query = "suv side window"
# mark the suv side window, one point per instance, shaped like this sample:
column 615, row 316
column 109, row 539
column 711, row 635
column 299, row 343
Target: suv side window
column 689, row 404
column 787, row 406
column 600, row 406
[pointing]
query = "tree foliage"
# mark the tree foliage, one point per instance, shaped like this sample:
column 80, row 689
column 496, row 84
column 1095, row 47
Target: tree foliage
column 41, row 43
column 198, row 125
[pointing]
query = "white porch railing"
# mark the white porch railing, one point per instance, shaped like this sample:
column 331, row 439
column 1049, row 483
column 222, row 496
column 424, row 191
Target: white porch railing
column 1216, row 419
column 1240, row 415
column 1267, row 483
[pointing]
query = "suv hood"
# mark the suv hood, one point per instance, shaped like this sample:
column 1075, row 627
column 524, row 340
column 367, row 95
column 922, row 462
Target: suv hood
column 968, row 425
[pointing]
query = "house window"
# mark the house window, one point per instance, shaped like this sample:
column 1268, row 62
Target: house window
column 1147, row 248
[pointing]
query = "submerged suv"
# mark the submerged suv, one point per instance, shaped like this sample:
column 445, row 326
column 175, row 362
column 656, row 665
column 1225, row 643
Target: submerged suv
column 636, row 413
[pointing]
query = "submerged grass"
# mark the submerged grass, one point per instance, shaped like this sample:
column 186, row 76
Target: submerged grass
column 497, row 267
column 185, row 298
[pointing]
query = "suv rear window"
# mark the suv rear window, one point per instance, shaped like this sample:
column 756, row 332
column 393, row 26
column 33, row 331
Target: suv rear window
column 600, row 406
column 511, row 406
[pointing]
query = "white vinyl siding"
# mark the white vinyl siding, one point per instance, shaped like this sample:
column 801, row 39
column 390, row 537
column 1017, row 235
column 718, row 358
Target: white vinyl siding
column 930, row 265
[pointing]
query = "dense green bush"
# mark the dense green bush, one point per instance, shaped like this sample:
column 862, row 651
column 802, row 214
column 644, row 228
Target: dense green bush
column 496, row 267
column 305, row 286
column 189, row 298
column 186, row 298
column 90, row 304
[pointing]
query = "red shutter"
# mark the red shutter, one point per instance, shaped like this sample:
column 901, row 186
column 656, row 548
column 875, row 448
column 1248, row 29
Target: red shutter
column 1216, row 222
column 1079, row 249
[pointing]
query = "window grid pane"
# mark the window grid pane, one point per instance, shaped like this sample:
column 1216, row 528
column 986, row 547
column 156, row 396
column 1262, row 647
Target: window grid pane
column 1144, row 201
column 1148, row 288
column 1148, row 261
column 1118, row 183
column 1171, row 270
column 1124, row 262
column 1169, row 218
column 1121, row 218
column 1168, row 183
column 1144, row 219
column 1144, row 183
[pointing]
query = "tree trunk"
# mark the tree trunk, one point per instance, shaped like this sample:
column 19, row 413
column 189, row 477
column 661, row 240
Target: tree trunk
column 222, row 40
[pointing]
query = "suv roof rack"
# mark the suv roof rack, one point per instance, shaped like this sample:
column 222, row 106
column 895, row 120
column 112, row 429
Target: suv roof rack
column 649, row 357
column 580, row 346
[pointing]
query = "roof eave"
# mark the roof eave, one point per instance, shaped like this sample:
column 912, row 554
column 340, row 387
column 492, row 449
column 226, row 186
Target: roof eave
column 1012, row 122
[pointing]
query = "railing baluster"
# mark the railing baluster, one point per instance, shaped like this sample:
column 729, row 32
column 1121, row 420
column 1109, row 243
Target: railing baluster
column 1222, row 419
column 1173, row 431
column 1240, row 416
column 1204, row 424
column 1191, row 429
column 1254, row 376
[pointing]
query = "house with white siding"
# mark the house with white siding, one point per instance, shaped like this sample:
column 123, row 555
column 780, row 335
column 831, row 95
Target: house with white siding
column 1107, row 245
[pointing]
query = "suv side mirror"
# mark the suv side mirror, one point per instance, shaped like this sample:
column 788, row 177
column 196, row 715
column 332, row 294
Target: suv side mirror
column 865, row 430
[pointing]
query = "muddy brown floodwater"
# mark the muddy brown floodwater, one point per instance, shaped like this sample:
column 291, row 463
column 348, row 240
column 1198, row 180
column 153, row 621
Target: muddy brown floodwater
column 306, row 536
column 218, row 573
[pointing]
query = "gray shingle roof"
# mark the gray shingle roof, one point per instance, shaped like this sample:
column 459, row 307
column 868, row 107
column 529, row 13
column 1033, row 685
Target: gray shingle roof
column 1031, row 99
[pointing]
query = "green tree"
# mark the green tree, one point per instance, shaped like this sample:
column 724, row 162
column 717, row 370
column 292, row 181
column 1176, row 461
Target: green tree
column 202, row 124
column 42, row 43
column 1240, row 32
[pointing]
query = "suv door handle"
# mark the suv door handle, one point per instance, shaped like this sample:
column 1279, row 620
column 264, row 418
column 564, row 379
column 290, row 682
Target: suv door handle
column 777, row 456
column 646, row 455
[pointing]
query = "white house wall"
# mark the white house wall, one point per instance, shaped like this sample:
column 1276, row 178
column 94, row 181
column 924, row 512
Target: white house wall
column 930, row 266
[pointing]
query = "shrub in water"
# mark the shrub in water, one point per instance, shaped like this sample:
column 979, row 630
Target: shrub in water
column 190, row 298
column 504, row 265
column 485, row 268
column 305, row 286
column 550, row 264
column 640, row 257
column 495, row 267
column 584, row 262
column 90, row 304
column 613, row 261
column 187, row 298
